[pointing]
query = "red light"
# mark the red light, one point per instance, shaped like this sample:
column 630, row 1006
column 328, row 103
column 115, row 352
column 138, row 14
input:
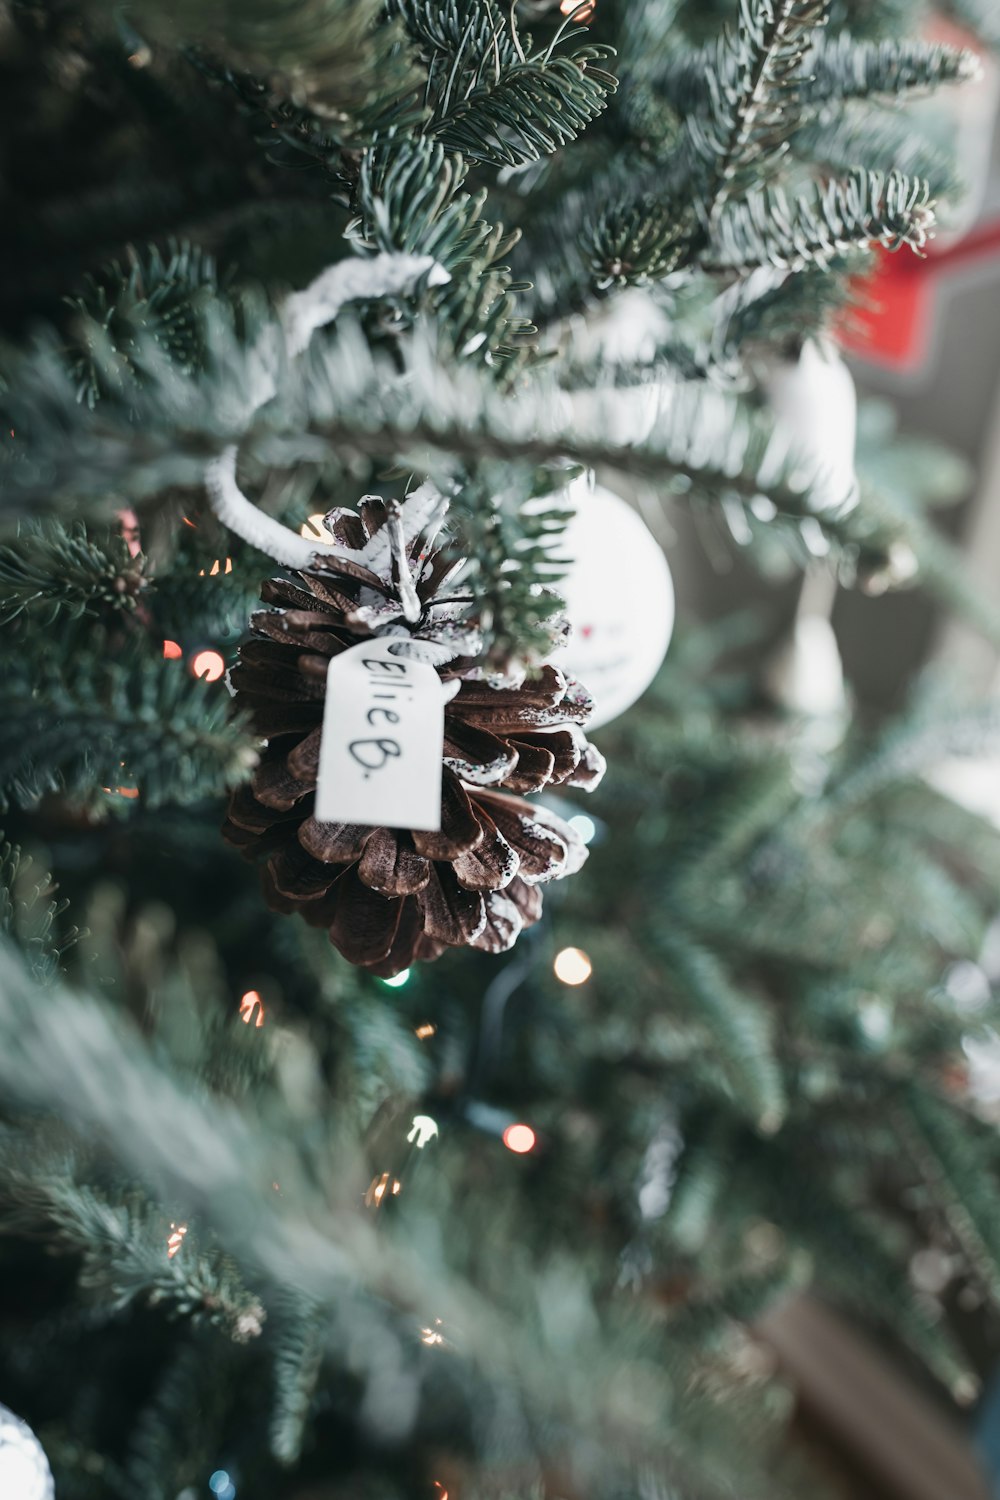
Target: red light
column 172, row 650
column 207, row 664
column 520, row 1139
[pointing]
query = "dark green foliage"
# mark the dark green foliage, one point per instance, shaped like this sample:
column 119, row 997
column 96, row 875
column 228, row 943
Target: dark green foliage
column 154, row 304
column 767, row 228
column 492, row 98
column 79, row 722
column 54, row 572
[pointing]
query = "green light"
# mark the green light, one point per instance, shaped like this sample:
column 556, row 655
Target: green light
column 397, row 980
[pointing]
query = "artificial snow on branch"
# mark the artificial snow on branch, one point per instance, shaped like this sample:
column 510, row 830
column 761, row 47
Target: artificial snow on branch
column 302, row 314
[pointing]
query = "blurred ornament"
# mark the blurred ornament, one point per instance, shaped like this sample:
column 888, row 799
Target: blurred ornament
column 815, row 407
column 814, row 402
column 621, row 625
column 389, row 895
column 24, row 1469
column 805, row 675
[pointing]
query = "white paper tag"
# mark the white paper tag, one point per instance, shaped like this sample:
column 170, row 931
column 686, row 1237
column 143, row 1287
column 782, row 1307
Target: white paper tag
column 383, row 740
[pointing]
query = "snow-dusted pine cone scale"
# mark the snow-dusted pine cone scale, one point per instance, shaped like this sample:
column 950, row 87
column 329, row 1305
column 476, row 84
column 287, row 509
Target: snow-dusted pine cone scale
column 390, row 896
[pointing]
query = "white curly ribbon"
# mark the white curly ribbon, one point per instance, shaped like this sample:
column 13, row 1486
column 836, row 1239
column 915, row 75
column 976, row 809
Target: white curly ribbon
column 301, row 315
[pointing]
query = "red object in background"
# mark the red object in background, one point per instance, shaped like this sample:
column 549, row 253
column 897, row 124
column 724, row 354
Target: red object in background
column 894, row 326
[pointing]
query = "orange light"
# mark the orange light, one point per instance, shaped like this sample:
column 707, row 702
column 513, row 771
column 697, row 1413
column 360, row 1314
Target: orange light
column 172, row 650
column 520, row 1139
column 442, row 1493
column 431, row 1336
column 128, row 791
column 573, row 966
column 379, row 1186
column 175, row 1239
column 584, row 11
column 252, row 1002
column 193, row 524
column 207, row 664
column 426, row 1029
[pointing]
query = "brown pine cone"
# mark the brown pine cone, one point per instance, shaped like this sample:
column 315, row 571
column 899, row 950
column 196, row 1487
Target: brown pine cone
column 390, row 896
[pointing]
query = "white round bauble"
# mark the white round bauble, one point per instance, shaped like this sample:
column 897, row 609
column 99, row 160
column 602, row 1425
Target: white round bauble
column 24, row 1469
column 619, row 600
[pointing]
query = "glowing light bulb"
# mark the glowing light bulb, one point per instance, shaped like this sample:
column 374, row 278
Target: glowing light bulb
column 313, row 529
column 424, row 1030
column 250, row 1003
column 423, row 1129
column 397, row 979
column 207, row 664
column 573, row 966
column 175, row 1239
column 172, row 650
column 520, row 1139
column 379, row 1187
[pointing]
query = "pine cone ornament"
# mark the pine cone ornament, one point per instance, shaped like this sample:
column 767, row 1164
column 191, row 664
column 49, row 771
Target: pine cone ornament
column 389, row 896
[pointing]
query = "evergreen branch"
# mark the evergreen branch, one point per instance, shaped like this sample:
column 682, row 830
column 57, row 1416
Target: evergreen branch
column 632, row 242
column 866, row 208
column 55, row 571
column 739, row 1025
column 844, row 68
column 172, row 1443
column 409, row 200
column 858, row 136
column 755, row 84
column 156, row 301
column 81, row 724
column 297, row 1362
column 491, row 100
column 909, row 748
column 122, row 1246
column 29, row 912
column 344, row 399
column 957, row 1161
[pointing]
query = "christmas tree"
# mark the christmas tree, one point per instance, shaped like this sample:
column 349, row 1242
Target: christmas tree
column 365, row 1143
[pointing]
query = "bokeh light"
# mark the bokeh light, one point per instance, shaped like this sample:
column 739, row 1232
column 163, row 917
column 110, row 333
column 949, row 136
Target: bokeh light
column 313, row 529
column 172, row 650
column 207, row 664
column 583, row 826
column 397, row 979
column 520, row 1139
column 249, row 1004
column 572, row 966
